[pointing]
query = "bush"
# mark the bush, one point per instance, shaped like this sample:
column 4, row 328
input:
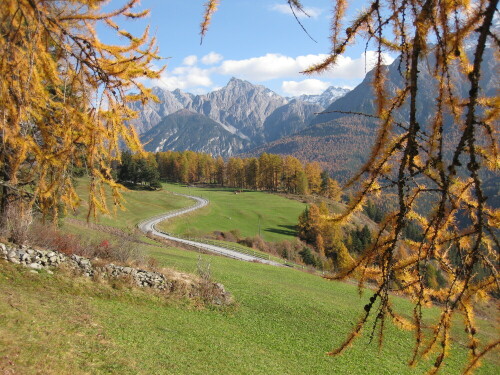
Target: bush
column 309, row 258
column 49, row 237
column 121, row 251
column 15, row 223
column 206, row 283
column 236, row 234
column 155, row 185
column 231, row 236
column 258, row 243
column 285, row 249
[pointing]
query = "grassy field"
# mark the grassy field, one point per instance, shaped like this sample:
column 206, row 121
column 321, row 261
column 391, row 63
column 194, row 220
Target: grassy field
column 283, row 321
column 227, row 211
column 140, row 204
column 243, row 212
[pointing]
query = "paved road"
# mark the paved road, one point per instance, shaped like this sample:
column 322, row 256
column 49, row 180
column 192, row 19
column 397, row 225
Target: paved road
column 148, row 225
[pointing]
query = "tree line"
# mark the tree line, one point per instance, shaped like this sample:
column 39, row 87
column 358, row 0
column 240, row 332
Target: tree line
column 267, row 172
column 332, row 242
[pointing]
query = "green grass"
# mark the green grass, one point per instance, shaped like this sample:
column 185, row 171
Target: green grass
column 283, row 323
column 228, row 211
column 140, row 204
column 49, row 325
column 284, row 320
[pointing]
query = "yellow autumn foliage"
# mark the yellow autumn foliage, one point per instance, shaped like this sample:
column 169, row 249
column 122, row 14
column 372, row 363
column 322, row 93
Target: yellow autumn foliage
column 62, row 98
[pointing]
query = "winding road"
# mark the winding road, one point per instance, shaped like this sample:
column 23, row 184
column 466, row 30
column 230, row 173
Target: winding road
column 148, row 226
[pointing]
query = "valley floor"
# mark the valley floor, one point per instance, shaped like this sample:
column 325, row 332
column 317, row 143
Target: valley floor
column 284, row 322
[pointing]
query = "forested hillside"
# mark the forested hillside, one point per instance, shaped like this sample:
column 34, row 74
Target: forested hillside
column 342, row 136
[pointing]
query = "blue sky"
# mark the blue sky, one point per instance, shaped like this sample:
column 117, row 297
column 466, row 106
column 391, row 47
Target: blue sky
column 256, row 40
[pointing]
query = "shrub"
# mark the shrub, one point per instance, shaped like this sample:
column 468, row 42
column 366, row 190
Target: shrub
column 206, row 283
column 155, row 185
column 15, row 222
column 50, row 237
column 285, row 249
column 309, row 258
column 236, row 234
column 124, row 251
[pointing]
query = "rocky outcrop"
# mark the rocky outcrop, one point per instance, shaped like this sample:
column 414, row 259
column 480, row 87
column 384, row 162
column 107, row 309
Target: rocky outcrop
column 153, row 112
column 174, row 282
column 186, row 130
column 289, row 119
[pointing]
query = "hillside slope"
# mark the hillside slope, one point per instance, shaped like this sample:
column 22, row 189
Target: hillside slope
column 284, row 323
column 340, row 146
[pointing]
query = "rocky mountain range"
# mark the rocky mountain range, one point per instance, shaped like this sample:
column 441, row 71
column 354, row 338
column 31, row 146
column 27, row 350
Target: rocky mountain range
column 186, row 130
column 241, row 114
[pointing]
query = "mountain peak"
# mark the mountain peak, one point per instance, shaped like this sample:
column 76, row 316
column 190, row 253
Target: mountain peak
column 328, row 96
column 234, row 79
column 157, row 89
column 236, row 82
column 335, row 89
column 251, row 112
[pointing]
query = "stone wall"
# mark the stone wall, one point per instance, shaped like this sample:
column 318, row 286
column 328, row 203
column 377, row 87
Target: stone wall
column 189, row 285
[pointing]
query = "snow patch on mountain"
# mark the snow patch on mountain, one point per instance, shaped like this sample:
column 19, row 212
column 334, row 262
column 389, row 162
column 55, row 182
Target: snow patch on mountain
column 331, row 94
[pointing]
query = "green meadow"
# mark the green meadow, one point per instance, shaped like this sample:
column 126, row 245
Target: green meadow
column 248, row 212
column 283, row 320
column 138, row 205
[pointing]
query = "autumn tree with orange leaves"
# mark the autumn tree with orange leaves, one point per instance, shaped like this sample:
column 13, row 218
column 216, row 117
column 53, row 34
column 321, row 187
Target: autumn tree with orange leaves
column 63, row 100
column 441, row 160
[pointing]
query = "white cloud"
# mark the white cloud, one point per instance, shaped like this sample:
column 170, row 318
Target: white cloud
column 190, row 60
column 272, row 66
column 285, row 9
column 185, row 77
column 212, row 58
column 267, row 67
column 189, row 76
column 305, row 87
column 350, row 68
